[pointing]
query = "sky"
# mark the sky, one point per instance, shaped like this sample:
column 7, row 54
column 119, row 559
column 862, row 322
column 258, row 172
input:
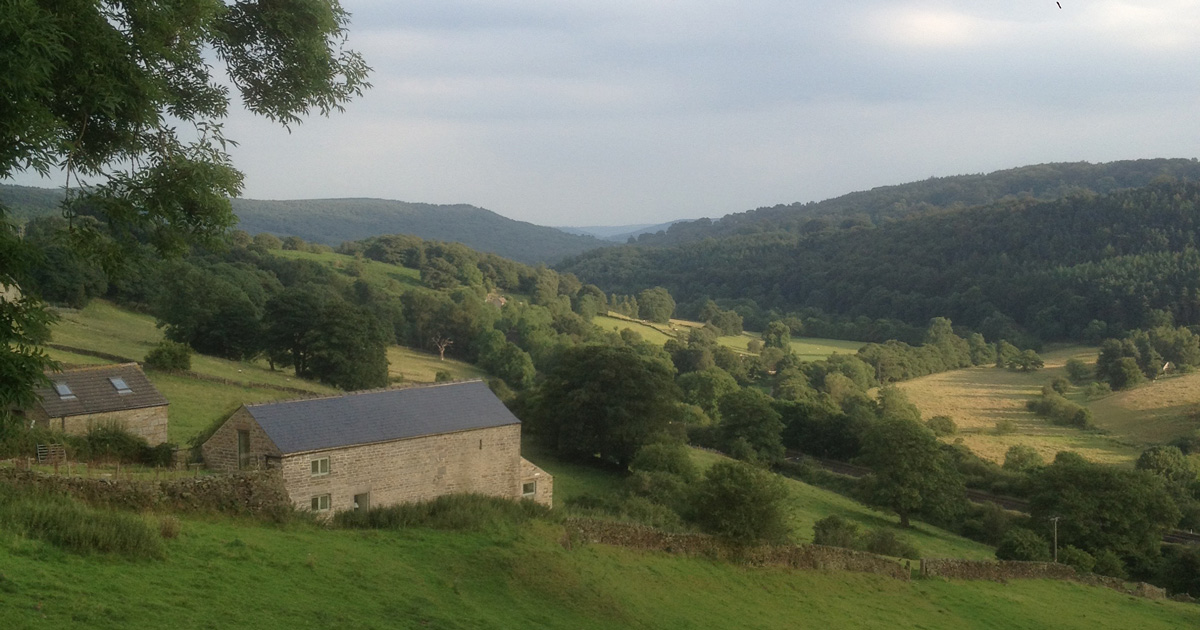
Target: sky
column 622, row 112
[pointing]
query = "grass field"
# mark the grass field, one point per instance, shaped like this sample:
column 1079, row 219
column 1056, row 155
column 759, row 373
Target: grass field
column 978, row 398
column 415, row 366
column 806, row 504
column 391, row 277
column 221, row 573
column 653, row 333
column 196, row 403
column 1153, row 413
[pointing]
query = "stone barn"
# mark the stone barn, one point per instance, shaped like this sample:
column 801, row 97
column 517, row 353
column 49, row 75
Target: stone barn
column 79, row 399
column 383, row 447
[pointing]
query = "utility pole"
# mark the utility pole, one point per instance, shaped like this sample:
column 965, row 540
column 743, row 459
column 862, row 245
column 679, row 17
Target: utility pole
column 1055, row 520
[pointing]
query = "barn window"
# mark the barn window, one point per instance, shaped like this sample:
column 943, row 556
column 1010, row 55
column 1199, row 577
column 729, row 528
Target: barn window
column 320, row 503
column 528, row 489
column 64, row 391
column 320, row 467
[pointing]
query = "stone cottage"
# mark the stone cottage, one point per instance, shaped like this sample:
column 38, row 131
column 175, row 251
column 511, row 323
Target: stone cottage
column 80, row 398
column 383, row 447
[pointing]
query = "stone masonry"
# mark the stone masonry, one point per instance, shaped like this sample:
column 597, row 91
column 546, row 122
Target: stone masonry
column 149, row 423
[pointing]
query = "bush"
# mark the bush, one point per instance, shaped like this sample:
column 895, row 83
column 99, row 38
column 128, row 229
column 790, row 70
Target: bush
column 442, row 376
column 665, row 457
column 1079, row 372
column 1022, row 458
column 1059, row 410
column 886, row 542
column 1108, row 563
column 1082, row 561
column 110, row 441
column 170, row 356
column 459, row 512
column 1004, row 427
column 1060, row 385
column 1097, row 390
column 1023, row 544
column 987, row 523
column 741, row 503
column 942, row 425
column 835, row 531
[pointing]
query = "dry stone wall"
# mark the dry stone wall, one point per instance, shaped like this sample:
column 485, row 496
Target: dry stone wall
column 791, row 556
column 1009, row 570
column 258, row 493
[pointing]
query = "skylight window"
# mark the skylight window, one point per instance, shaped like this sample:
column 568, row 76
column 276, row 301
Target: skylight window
column 119, row 384
column 64, row 391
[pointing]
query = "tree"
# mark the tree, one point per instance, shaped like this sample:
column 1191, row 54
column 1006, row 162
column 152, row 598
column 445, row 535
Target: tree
column 705, row 389
column 741, row 503
column 99, row 90
column 747, row 416
column 777, row 335
column 1026, row 361
column 604, row 400
column 1101, row 507
column 911, row 474
column 348, row 347
column 656, row 305
column 1022, row 458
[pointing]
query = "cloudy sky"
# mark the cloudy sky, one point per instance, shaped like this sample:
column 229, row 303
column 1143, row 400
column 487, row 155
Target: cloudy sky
column 637, row 111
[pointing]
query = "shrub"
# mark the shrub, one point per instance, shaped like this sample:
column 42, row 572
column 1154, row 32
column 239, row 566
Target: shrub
column 1023, row 544
column 461, row 512
column 741, row 503
column 665, row 457
column 1108, row 563
column 987, row 523
column 1059, row 410
column 111, row 441
column 1022, row 458
column 1060, row 385
column 886, row 542
column 442, row 376
column 1097, row 390
column 1004, row 427
column 1079, row 372
column 835, row 531
column 1082, row 561
column 755, row 346
column 942, row 425
column 170, row 356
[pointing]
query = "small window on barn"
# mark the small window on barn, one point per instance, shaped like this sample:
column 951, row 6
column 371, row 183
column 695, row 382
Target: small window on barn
column 119, row 384
column 320, row 467
column 528, row 489
column 64, row 391
column 320, row 503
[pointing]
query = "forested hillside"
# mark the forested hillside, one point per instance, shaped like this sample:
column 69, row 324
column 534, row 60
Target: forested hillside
column 1077, row 268
column 334, row 221
column 865, row 208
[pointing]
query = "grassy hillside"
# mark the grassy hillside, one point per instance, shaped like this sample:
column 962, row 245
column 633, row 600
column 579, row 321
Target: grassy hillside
column 196, row 402
column 807, row 348
column 223, row 573
column 1153, row 413
column 381, row 274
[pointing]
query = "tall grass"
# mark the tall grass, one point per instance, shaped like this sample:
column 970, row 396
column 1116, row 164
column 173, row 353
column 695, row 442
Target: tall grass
column 456, row 512
column 68, row 524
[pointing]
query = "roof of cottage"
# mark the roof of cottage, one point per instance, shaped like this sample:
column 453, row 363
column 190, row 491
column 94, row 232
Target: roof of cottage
column 380, row 416
column 98, row 389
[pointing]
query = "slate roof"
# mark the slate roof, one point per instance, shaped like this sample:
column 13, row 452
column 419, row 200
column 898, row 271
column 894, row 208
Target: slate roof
column 91, row 391
column 380, row 416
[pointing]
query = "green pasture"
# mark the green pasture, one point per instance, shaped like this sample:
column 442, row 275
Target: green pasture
column 415, row 366
column 388, row 276
column 222, row 573
column 809, row 504
column 653, row 333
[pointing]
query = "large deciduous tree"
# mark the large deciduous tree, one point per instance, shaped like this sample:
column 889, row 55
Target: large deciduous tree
column 119, row 96
column 604, row 400
column 911, row 473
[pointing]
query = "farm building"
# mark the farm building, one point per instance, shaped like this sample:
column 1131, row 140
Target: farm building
column 383, row 447
column 106, row 394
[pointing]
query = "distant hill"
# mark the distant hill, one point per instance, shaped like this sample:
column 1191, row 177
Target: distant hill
column 332, row 221
column 1076, row 268
column 1042, row 182
column 619, row 233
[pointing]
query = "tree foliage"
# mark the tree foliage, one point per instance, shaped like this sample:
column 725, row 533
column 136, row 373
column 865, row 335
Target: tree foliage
column 910, row 473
